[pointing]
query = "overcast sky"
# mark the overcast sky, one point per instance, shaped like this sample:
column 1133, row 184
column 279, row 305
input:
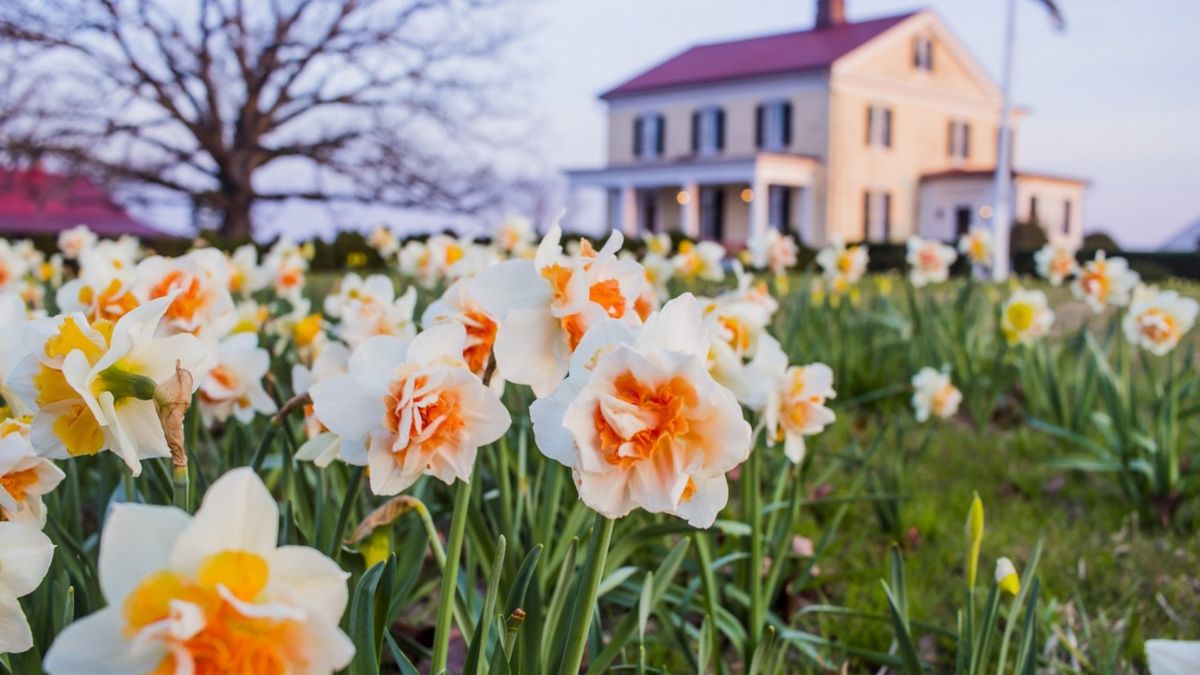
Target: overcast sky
column 1116, row 98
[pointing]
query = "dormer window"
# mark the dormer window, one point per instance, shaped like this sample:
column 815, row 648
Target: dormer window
column 773, row 125
column 958, row 140
column 708, row 131
column 649, row 132
column 923, row 53
column 879, row 126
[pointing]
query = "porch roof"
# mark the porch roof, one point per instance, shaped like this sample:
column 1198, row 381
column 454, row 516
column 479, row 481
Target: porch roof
column 776, row 168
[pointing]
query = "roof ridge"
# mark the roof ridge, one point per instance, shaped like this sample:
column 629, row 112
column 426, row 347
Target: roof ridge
column 813, row 29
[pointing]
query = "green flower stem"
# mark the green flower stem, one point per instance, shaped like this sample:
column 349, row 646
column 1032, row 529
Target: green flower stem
column 458, row 528
column 181, row 482
column 589, row 587
column 752, row 499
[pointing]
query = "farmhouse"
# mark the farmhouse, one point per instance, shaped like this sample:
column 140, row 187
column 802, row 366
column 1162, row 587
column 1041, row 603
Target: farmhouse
column 871, row 131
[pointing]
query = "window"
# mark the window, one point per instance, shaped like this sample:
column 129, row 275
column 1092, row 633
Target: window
column 649, row 131
column 879, row 126
column 923, row 53
column 962, row 220
column 1033, row 208
column 1066, row 228
column 649, row 199
column 877, row 215
column 958, row 139
column 773, row 125
column 708, row 131
column 712, row 213
column 779, row 207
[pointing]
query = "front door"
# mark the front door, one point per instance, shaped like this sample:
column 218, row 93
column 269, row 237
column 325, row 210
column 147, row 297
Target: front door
column 962, row 220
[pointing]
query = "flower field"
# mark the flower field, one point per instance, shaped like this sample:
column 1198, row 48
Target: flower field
column 548, row 455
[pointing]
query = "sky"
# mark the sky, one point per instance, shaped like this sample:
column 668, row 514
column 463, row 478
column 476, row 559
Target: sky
column 1114, row 99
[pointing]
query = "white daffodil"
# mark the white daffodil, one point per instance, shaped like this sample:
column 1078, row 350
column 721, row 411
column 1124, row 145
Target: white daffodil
column 322, row 446
column 701, row 260
column 976, row 246
column 382, row 239
column 286, row 266
column 659, row 271
column 375, row 289
column 1055, row 263
column 790, row 399
column 246, row 276
column 515, row 236
column 106, row 287
column 93, row 385
column 74, row 241
column 198, row 282
column 642, row 424
column 1173, row 657
column 1157, row 320
column 25, row 555
column 302, row 328
column 458, row 306
column 1026, row 317
column 234, row 384
column 411, row 408
column 212, row 593
column 934, row 394
column 847, row 263
column 1105, row 282
column 13, row 267
column 929, row 261
column 24, row 476
column 12, row 349
column 366, row 317
column 545, row 306
column 770, row 250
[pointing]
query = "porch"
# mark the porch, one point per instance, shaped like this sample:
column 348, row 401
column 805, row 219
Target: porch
column 724, row 200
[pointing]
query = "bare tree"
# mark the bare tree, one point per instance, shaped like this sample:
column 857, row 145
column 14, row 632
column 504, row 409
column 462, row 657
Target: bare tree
column 390, row 102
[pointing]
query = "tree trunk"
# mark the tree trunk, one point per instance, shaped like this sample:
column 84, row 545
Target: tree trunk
column 236, row 223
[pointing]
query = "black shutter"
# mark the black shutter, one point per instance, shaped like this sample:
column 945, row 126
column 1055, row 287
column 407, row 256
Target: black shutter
column 759, row 118
column 637, row 136
column 719, row 216
column 966, row 148
column 870, row 122
column 720, row 129
column 696, row 131
column 662, row 136
column 785, row 223
column 887, row 127
column 916, row 52
column 867, row 216
column 787, row 124
column 950, row 138
column 887, row 216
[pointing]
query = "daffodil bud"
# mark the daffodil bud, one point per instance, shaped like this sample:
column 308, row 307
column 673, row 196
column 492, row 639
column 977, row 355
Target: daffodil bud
column 975, row 538
column 124, row 384
column 1006, row 576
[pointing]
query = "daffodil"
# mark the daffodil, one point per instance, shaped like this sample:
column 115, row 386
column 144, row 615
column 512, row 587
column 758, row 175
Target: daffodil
column 771, row 250
column 212, row 593
column 74, row 241
column 1006, row 576
column 1173, row 657
column 322, row 446
column 976, row 246
column 234, row 384
column 24, row 476
column 1105, row 282
column 1055, row 263
column 846, row 264
column 367, row 316
column 459, row 306
column 93, row 385
column 792, row 400
column 934, row 394
column 12, row 349
column 929, row 261
column 198, row 283
column 642, row 424
column 25, row 555
column 286, row 266
column 407, row 408
column 13, row 267
column 384, row 240
column 545, row 306
column 700, row 260
column 515, row 236
column 1026, row 317
column 246, row 276
column 1157, row 320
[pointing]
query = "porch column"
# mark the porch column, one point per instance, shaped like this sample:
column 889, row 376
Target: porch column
column 689, row 209
column 760, row 205
column 627, row 202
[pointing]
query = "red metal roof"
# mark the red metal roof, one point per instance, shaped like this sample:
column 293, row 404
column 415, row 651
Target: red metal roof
column 814, row 49
column 36, row 202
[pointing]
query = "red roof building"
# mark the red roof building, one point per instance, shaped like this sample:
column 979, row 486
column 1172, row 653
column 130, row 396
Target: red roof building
column 35, row 202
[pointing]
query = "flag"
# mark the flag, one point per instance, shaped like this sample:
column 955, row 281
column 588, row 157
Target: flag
column 1056, row 16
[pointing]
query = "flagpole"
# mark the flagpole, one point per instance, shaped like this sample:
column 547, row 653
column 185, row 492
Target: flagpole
column 1002, row 192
